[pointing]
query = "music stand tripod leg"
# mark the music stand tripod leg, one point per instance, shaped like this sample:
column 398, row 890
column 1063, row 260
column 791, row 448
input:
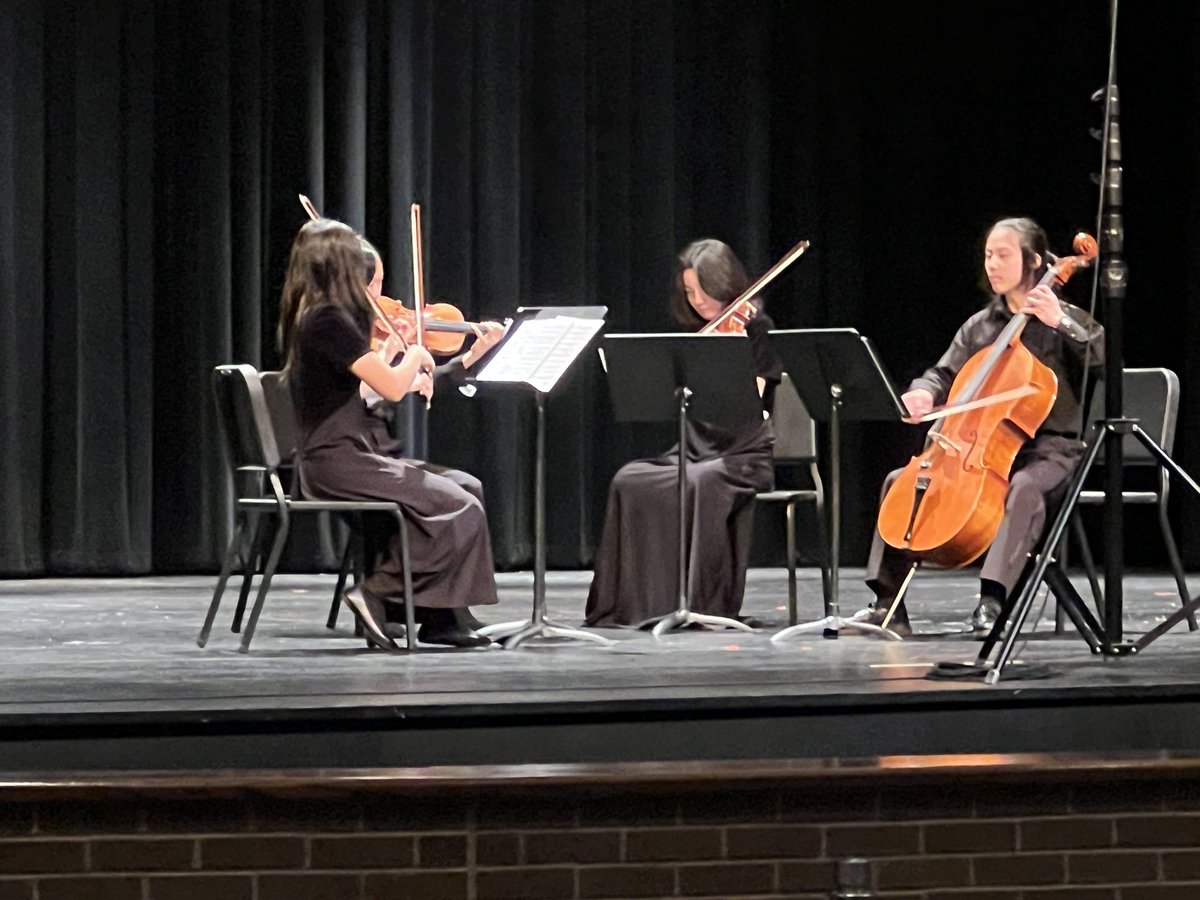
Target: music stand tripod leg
column 682, row 615
column 539, row 626
column 833, row 623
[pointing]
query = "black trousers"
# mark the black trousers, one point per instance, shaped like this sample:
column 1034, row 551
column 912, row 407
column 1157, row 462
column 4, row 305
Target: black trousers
column 1039, row 474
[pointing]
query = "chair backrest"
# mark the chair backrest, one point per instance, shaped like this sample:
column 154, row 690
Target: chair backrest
column 1152, row 397
column 283, row 414
column 244, row 420
column 795, row 432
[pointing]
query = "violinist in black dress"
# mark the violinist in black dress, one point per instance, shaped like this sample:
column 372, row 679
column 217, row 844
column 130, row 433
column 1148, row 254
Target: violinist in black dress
column 636, row 575
column 325, row 333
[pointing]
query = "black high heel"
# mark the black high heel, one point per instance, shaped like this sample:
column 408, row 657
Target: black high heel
column 369, row 612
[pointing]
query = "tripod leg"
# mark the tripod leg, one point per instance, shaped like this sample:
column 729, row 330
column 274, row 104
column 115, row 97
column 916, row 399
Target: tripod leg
column 791, row 560
column 1042, row 561
column 1170, row 622
column 1176, row 562
column 1072, row 604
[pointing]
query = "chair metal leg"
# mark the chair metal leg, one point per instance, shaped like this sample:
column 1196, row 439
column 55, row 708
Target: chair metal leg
column 253, row 563
column 791, row 560
column 347, row 559
column 265, row 584
column 226, row 568
column 1176, row 564
column 410, row 615
column 823, row 542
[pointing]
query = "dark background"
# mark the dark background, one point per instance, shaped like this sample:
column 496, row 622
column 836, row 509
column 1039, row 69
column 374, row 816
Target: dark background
column 562, row 151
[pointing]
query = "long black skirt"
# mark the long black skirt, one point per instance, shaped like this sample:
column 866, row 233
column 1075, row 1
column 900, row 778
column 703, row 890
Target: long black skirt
column 637, row 564
column 448, row 539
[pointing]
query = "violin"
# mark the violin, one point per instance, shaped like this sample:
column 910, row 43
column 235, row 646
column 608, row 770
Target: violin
column 737, row 315
column 445, row 324
column 947, row 504
column 448, row 324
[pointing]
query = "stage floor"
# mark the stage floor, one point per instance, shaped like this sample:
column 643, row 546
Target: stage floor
column 117, row 658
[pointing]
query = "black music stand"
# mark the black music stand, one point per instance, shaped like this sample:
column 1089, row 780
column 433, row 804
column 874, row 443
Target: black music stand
column 543, row 362
column 840, row 377
column 663, row 378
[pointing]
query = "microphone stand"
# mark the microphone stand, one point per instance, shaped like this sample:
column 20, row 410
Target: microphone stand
column 1112, row 280
column 1113, row 276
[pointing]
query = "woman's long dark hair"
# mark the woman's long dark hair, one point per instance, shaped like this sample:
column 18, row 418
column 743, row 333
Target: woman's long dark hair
column 1032, row 240
column 325, row 267
column 719, row 272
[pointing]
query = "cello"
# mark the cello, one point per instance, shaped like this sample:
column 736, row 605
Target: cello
column 947, row 504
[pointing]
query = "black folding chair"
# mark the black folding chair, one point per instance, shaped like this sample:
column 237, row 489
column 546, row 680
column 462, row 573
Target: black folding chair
column 1152, row 397
column 283, row 424
column 796, row 445
column 252, row 456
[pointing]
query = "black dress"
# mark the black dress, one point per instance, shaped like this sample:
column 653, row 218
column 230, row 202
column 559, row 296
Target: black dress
column 637, row 563
column 380, row 416
column 338, row 458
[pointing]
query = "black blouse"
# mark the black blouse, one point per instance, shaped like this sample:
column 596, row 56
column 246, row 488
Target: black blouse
column 1078, row 338
column 329, row 341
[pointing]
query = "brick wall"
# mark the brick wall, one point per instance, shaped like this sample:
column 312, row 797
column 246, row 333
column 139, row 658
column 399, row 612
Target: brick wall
column 1039, row 836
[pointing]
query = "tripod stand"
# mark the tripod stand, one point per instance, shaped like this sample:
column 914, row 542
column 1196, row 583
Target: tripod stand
column 1045, row 569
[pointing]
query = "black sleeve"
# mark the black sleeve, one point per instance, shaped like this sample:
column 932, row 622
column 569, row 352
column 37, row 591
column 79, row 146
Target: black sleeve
column 766, row 363
column 337, row 338
column 453, row 371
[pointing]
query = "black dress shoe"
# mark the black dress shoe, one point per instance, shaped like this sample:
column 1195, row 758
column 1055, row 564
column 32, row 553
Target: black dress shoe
column 983, row 619
column 451, row 635
column 370, row 613
column 467, row 619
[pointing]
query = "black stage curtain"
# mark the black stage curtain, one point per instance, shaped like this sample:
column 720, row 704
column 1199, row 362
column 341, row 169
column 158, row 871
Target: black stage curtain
column 562, row 151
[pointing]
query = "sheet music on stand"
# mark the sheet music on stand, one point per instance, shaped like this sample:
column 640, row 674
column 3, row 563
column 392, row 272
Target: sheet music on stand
column 541, row 347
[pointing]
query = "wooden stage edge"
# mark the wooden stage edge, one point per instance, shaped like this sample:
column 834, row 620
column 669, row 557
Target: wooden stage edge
column 443, row 781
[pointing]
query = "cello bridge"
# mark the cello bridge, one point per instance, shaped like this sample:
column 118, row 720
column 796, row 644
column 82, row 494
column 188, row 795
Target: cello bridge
column 945, row 443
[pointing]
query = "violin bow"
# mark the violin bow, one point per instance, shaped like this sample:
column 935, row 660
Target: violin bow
column 418, row 273
column 313, row 215
column 766, row 278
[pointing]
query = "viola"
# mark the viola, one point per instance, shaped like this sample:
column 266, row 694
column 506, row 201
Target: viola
column 947, row 504
column 734, row 318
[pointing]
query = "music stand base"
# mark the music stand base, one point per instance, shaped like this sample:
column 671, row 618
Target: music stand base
column 681, row 618
column 550, row 629
column 501, row 630
column 832, row 625
column 513, row 634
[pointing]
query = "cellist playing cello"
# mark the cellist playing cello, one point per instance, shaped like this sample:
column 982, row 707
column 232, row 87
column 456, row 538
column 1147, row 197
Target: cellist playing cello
column 1060, row 336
